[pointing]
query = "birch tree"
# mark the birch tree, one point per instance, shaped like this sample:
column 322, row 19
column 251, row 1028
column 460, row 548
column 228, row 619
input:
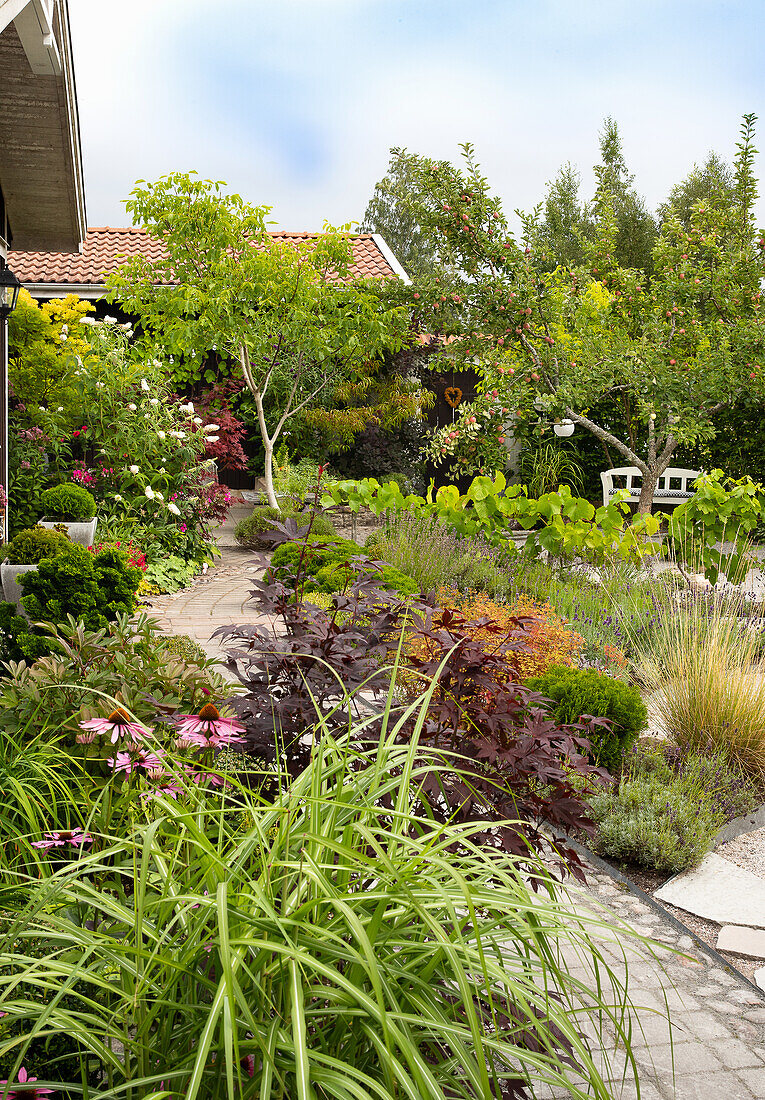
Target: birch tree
column 290, row 314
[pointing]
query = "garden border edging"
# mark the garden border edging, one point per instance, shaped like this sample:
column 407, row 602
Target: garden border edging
column 602, row 865
column 748, row 823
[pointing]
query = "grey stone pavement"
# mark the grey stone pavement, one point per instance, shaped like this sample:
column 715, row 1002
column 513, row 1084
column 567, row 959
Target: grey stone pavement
column 716, row 1050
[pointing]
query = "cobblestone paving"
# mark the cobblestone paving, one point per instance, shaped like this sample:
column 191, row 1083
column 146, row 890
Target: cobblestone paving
column 219, row 598
column 717, row 1050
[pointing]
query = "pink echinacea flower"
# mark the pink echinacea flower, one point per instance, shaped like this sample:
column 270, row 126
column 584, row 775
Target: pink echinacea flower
column 25, row 1094
column 74, row 837
column 117, row 725
column 207, row 729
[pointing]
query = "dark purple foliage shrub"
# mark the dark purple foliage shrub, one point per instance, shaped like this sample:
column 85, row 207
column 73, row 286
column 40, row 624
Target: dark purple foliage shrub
column 509, row 761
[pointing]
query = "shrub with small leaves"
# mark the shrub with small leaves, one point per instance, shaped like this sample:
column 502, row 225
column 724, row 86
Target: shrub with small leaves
column 577, row 691
column 547, row 638
column 668, row 806
column 31, row 546
column 68, row 502
column 249, row 531
column 93, row 588
column 328, row 566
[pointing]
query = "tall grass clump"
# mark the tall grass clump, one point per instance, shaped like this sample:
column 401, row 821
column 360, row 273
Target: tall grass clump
column 334, row 944
column 41, row 787
column 437, row 557
column 703, row 668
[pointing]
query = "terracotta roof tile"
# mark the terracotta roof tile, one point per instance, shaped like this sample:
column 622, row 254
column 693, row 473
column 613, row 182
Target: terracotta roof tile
column 104, row 248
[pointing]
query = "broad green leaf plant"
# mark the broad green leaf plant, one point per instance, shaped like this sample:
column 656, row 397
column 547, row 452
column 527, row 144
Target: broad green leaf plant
column 290, row 313
column 563, row 525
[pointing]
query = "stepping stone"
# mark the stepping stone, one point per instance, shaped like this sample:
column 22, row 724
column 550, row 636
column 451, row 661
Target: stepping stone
column 741, row 940
column 759, row 978
column 718, row 890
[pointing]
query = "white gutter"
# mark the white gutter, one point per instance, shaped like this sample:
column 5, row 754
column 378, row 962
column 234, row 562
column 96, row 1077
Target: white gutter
column 393, row 263
column 94, row 291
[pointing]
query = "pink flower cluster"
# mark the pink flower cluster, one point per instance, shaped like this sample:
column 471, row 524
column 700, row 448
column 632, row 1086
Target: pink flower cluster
column 82, row 476
column 26, row 1093
column 206, row 730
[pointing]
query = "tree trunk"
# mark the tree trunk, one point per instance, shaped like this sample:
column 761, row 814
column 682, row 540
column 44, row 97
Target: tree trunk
column 647, row 489
column 268, row 447
column 269, row 475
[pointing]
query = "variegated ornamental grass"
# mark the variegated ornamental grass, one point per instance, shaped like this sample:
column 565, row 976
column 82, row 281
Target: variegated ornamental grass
column 328, row 944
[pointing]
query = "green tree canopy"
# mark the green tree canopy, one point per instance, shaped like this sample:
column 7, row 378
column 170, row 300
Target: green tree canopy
column 391, row 214
column 292, row 316
column 680, row 344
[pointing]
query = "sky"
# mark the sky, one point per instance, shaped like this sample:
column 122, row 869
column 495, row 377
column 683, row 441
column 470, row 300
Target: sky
column 296, row 103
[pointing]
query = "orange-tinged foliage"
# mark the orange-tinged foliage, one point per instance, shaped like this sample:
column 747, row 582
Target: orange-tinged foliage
column 548, row 639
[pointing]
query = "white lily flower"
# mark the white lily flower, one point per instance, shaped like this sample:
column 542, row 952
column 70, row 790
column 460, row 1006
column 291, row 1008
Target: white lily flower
column 132, row 407
column 154, row 401
column 133, row 469
column 161, row 435
column 144, row 385
column 60, row 409
column 118, row 498
column 162, row 470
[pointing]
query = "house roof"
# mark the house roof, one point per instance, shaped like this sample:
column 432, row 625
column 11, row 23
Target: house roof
column 40, row 157
column 105, row 248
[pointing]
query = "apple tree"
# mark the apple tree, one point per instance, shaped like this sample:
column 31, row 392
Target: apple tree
column 678, row 345
column 291, row 315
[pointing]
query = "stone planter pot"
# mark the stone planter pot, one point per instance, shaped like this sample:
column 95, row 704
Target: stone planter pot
column 12, row 590
column 81, row 531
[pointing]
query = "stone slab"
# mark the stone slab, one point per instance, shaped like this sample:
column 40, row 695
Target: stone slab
column 759, row 978
column 739, row 939
column 718, row 890
column 746, row 824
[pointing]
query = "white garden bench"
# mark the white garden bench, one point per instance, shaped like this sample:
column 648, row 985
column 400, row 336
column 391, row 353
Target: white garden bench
column 673, row 487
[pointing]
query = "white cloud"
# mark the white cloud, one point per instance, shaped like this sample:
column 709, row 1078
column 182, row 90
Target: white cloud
column 297, row 104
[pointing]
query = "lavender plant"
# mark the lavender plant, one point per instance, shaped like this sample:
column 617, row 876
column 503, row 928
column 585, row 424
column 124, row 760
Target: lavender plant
column 436, row 556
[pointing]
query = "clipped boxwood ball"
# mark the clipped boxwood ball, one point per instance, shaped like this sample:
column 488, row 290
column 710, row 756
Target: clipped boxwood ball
column 31, row 546
column 578, row 691
column 248, row 531
column 68, row 502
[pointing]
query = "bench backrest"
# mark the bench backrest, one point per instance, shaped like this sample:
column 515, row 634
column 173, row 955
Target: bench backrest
column 672, row 482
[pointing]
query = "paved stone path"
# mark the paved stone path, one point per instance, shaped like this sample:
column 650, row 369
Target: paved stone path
column 718, row 1019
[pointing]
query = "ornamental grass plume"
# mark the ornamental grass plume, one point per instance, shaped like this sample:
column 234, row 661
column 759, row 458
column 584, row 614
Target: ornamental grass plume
column 118, row 726
column 703, row 668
